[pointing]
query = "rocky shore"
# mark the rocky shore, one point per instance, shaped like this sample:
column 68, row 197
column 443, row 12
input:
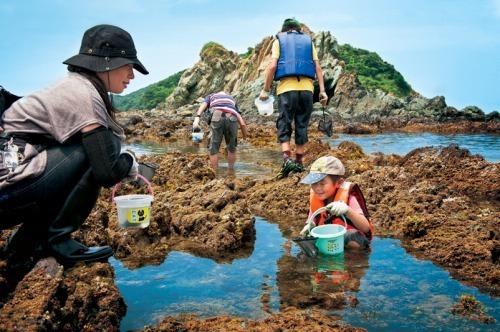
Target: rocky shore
column 442, row 203
column 352, row 104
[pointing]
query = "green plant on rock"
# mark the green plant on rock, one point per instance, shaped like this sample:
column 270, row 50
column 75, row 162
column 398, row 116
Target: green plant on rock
column 247, row 54
column 470, row 303
column 373, row 72
column 469, row 306
column 148, row 97
column 212, row 49
column 414, row 227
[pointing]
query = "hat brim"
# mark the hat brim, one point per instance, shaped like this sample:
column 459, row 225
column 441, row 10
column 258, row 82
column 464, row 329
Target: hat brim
column 100, row 64
column 312, row 178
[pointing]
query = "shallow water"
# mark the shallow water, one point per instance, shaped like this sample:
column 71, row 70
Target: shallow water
column 402, row 293
column 246, row 156
column 395, row 290
column 187, row 284
column 487, row 145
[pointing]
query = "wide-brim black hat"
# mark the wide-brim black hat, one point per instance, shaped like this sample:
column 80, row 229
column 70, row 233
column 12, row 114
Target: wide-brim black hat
column 104, row 48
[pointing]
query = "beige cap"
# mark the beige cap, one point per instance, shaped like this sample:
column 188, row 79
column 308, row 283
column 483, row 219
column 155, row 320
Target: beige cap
column 322, row 167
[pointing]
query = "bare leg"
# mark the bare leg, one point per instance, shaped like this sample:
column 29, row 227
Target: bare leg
column 285, row 146
column 231, row 158
column 300, row 149
column 214, row 161
column 299, row 155
column 230, row 172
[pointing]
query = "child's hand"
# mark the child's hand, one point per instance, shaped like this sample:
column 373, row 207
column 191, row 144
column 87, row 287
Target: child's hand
column 307, row 228
column 338, row 208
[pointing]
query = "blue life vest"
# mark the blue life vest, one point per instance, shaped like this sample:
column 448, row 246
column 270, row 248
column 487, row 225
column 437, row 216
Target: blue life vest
column 296, row 56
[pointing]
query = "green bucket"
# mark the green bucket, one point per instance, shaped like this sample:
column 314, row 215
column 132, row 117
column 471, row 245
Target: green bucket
column 330, row 238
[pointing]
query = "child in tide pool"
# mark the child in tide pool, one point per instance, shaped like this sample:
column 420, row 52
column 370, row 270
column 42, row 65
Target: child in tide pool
column 342, row 199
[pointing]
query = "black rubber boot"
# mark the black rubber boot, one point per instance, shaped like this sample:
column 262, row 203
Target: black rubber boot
column 75, row 210
column 28, row 240
column 69, row 252
column 30, row 237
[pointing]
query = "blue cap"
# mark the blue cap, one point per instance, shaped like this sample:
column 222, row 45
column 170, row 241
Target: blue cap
column 313, row 178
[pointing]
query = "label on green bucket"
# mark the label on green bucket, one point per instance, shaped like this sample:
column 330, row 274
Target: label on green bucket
column 137, row 215
column 331, row 246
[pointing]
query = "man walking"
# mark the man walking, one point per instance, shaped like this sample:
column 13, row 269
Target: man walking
column 295, row 65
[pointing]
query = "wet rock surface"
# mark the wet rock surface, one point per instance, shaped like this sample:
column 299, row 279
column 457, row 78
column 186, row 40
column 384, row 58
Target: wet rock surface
column 51, row 298
column 290, row 319
column 471, row 308
column 443, row 203
column 28, row 308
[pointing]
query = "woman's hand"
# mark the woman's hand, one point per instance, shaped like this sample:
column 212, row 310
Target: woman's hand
column 134, row 169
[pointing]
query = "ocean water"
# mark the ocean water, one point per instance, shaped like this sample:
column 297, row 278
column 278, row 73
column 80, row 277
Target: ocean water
column 487, row 145
column 396, row 291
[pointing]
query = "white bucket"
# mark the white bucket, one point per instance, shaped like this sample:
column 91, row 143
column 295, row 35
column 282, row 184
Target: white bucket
column 197, row 136
column 265, row 107
column 134, row 210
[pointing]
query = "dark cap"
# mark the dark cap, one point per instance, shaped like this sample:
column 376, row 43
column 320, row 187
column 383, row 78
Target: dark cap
column 291, row 24
column 104, row 48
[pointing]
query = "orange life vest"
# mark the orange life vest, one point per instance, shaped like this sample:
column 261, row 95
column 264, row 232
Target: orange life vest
column 345, row 190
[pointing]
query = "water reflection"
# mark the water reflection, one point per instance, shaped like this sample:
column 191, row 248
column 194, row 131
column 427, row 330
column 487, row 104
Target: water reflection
column 183, row 283
column 384, row 290
column 320, row 281
column 402, row 293
column 250, row 161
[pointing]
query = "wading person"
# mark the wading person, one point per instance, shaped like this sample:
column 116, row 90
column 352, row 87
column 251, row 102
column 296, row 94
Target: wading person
column 295, row 65
column 68, row 147
column 342, row 199
column 224, row 121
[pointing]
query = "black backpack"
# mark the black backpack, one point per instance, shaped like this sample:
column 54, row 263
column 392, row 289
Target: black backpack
column 6, row 99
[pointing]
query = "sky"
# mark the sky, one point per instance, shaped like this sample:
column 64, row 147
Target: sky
column 442, row 47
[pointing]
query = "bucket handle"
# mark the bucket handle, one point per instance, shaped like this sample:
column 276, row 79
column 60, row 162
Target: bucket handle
column 320, row 210
column 139, row 176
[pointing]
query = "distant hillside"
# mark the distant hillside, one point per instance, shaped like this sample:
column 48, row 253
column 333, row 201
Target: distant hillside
column 148, row 97
column 373, row 72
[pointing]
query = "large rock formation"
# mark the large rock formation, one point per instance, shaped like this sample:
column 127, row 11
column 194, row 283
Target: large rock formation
column 243, row 76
